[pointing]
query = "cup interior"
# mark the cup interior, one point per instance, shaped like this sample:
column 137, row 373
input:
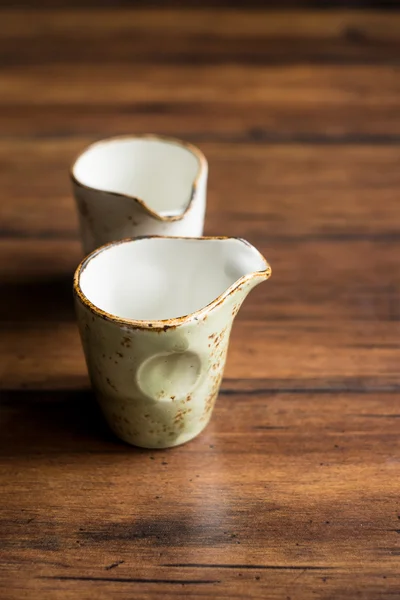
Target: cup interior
column 153, row 279
column 161, row 173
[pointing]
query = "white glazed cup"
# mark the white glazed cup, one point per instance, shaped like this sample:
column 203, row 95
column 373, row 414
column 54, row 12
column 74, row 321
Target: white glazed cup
column 139, row 185
column 155, row 316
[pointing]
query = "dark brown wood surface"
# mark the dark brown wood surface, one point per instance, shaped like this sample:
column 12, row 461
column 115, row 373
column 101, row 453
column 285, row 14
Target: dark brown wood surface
column 293, row 491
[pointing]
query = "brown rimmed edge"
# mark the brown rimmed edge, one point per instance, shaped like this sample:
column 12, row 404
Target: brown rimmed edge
column 202, row 166
column 164, row 324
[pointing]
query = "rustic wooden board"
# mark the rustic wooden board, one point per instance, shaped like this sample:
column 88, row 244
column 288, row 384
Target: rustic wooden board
column 211, row 36
column 273, row 102
column 292, row 492
column 296, row 191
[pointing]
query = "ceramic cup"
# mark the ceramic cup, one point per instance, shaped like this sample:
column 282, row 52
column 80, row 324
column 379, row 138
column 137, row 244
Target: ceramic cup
column 139, row 185
column 155, row 316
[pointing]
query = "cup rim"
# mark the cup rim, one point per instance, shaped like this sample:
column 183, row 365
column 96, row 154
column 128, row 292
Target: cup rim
column 194, row 150
column 162, row 324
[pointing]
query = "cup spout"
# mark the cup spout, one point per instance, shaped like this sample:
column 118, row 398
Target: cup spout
column 245, row 268
column 246, row 263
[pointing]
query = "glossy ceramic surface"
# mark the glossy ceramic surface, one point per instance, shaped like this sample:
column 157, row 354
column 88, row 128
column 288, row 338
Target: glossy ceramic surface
column 139, row 185
column 155, row 315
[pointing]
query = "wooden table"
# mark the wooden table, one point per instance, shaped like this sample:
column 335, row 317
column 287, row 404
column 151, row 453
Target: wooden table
column 293, row 490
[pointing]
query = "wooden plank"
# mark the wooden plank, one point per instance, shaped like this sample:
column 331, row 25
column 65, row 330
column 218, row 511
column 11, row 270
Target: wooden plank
column 87, row 507
column 328, row 102
column 312, row 282
column 324, row 193
column 224, row 23
column 340, row 354
column 183, row 5
column 341, row 85
column 212, row 36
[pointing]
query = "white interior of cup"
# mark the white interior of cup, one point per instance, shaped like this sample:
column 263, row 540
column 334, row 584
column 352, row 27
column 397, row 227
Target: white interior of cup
column 159, row 172
column 154, row 279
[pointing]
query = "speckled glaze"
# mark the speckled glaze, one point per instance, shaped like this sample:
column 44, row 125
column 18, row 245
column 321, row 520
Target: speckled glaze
column 115, row 180
column 157, row 380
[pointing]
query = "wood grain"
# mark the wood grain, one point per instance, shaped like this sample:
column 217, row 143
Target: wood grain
column 295, row 102
column 211, row 36
column 292, row 492
column 354, row 187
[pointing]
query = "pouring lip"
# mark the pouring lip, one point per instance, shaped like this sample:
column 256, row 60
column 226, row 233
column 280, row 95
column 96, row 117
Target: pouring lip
column 163, row 324
column 197, row 153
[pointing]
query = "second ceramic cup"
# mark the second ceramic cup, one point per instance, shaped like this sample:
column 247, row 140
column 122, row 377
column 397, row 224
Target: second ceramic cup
column 139, row 185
